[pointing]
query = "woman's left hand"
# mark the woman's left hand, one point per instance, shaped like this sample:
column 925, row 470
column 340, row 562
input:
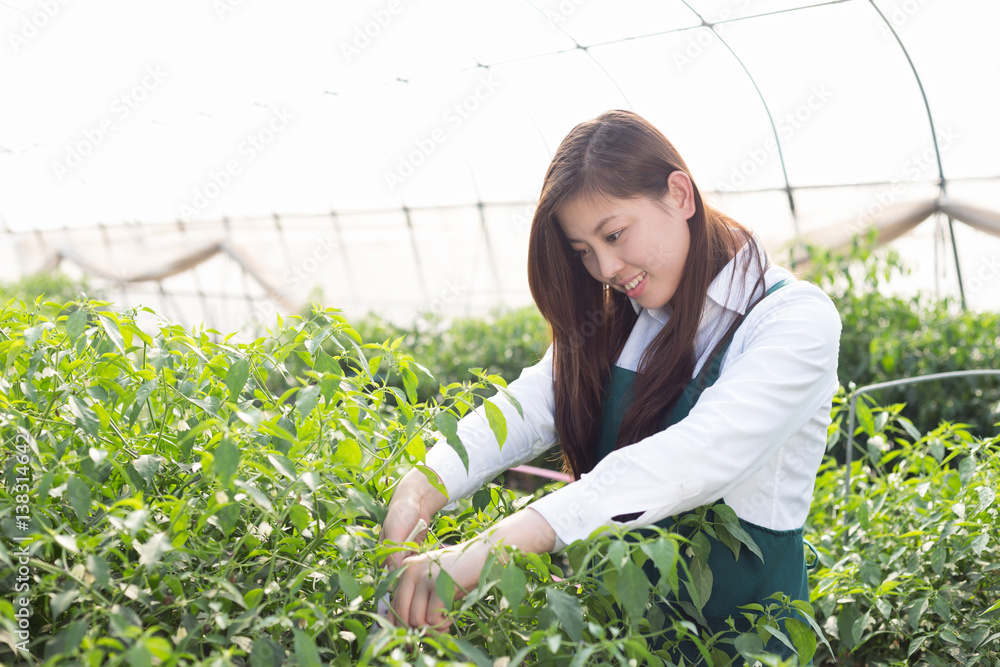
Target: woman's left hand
column 416, row 602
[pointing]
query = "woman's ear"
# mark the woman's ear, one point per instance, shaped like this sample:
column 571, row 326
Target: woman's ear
column 681, row 193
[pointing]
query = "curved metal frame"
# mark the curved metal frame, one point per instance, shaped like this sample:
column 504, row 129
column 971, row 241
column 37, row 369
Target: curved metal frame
column 937, row 149
column 849, row 458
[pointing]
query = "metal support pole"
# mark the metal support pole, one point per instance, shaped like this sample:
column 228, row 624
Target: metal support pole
column 849, row 458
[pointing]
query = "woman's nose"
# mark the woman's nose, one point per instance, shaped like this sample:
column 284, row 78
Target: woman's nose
column 610, row 266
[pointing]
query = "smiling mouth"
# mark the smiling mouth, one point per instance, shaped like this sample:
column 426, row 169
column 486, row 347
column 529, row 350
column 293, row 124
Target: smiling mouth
column 634, row 282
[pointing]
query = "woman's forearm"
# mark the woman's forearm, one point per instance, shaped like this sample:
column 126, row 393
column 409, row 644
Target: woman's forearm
column 526, row 530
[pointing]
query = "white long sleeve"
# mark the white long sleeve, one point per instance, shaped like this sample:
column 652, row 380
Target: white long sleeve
column 526, row 438
column 755, row 438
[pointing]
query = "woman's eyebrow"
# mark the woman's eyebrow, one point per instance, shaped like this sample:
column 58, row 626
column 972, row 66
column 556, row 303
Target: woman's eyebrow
column 600, row 225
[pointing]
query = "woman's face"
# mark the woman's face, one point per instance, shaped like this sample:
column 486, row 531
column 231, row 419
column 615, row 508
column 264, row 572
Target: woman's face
column 637, row 246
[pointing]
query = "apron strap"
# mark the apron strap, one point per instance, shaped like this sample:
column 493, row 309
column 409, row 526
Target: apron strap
column 815, row 562
column 710, row 371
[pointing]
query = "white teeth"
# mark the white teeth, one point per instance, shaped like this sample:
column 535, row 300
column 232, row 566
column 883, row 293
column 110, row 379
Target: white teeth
column 633, row 283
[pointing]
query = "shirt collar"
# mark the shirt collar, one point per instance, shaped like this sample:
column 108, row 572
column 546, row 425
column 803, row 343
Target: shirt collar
column 729, row 289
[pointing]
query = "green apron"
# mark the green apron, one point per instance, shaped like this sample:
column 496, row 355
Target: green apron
column 736, row 583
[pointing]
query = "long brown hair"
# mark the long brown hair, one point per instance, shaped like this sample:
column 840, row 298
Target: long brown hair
column 618, row 155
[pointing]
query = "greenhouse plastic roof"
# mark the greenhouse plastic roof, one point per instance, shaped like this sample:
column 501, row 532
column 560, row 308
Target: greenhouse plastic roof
column 408, row 140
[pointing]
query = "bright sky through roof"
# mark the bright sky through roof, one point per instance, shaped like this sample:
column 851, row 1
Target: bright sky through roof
column 122, row 110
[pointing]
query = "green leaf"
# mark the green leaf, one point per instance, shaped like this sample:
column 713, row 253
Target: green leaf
column 510, row 397
column 580, row 659
column 79, row 497
column 910, row 429
column 114, row 333
column 513, row 585
column 326, row 364
column 373, row 365
column 256, row 494
column 749, row 646
column 76, row 324
column 966, row 470
column 444, row 585
column 498, row 423
column 802, row 638
column 865, row 418
column 236, row 378
column 61, row 601
column 306, row 399
column 283, row 465
column 567, row 609
column 633, row 589
column 85, row 417
column 141, row 395
column 782, row 637
column 917, row 609
column 227, row 459
column 299, row 516
column 736, row 530
column 152, row 551
column 986, row 495
column 447, row 423
column 98, row 568
column 859, row 626
column 469, row 651
column 663, row 553
column 871, row 574
column 410, row 384
column 348, row 452
column 433, row 479
column 481, row 499
column 701, row 579
column 306, row 654
column 915, row 645
column 147, row 466
column 139, row 656
column 727, row 539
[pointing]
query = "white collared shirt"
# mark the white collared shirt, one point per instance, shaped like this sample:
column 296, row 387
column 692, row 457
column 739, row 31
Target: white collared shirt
column 755, row 438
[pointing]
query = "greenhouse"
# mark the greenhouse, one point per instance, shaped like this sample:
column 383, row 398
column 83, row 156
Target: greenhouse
column 263, row 264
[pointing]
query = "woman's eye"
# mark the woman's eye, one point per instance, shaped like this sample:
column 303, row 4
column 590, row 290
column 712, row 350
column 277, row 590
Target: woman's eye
column 611, row 238
column 580, row 253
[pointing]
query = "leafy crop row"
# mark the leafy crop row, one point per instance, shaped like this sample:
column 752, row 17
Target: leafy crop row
column 162, row 506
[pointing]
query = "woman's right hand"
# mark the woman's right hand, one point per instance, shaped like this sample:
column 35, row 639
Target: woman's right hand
column 414, row 499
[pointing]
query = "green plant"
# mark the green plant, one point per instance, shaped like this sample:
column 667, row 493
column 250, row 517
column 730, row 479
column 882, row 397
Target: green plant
column 162, row 505
column 55, row 287
column 910, row 560
column 887, row 337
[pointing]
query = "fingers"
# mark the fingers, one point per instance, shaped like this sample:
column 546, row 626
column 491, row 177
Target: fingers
column 415, row 603
column 418, row 608
column 399, row 611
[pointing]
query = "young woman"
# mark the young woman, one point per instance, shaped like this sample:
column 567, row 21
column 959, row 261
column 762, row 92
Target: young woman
column 684, row 369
